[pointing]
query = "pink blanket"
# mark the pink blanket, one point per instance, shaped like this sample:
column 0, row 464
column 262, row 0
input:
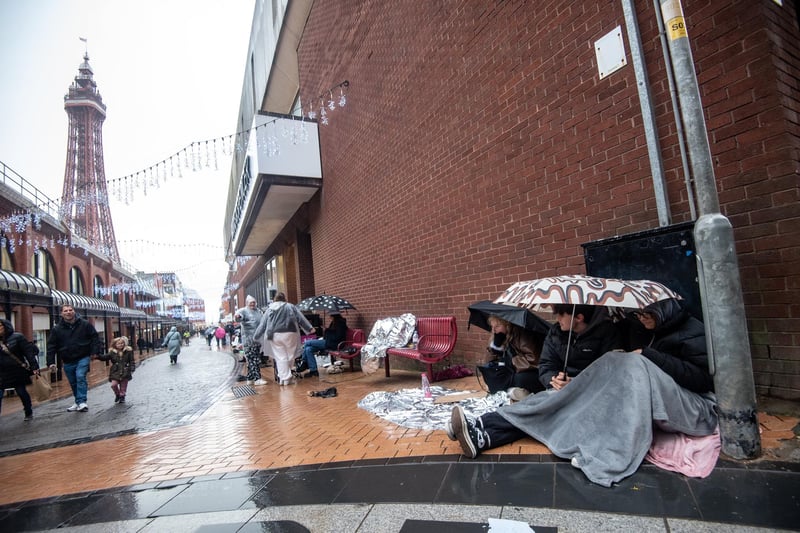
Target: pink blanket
column 690, row 456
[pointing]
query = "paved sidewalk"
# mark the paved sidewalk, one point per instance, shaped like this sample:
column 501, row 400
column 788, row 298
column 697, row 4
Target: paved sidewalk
column 210, row 454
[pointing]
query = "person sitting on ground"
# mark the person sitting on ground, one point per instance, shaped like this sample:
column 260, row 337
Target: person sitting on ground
column 581, row 334
column 525, row 348
column 335, row 333
column 603, row 421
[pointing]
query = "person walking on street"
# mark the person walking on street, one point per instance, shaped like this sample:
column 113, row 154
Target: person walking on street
column 209, row 335
column 282, row 324
column 219, row 334
column 123, row 363
column 249, row 317
column 17, row 363
column 74, row 340
column 173, row 343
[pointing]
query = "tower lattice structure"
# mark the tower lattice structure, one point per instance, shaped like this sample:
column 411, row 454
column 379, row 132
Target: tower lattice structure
column 84, row 201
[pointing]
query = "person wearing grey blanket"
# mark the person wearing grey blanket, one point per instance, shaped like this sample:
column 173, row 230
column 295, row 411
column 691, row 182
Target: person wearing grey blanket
column 603, row 421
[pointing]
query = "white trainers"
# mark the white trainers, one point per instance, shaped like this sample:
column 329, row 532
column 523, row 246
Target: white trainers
column 260, row 382
column 72, row 408
column 82, row 407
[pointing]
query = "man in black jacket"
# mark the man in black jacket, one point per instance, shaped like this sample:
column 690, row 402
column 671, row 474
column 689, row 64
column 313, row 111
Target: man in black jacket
column 565, row 353
column 74, row 340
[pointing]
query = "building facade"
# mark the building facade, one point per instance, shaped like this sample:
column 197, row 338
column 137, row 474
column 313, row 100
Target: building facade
column 467, row 145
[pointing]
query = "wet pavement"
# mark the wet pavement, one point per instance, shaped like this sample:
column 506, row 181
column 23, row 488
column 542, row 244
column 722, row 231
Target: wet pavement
column 195, row 450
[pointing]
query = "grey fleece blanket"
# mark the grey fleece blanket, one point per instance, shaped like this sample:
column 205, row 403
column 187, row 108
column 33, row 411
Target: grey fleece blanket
column 603, row 420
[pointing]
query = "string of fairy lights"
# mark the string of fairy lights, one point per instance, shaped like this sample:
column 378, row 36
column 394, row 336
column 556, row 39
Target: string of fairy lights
column 195, row 157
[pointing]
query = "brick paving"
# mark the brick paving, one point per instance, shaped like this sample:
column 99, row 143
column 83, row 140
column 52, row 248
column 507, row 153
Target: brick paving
column 217, row 432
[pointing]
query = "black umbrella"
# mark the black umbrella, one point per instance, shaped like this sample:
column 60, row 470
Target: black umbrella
column 326, row 303
column 479, row 314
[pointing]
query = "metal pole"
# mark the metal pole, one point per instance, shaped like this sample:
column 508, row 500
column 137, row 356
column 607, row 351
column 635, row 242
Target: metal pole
column 648, row 115
column 720, row 287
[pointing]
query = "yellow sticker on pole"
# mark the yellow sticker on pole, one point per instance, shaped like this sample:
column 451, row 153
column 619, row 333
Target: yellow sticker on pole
column 676, row 29
column 673, row 13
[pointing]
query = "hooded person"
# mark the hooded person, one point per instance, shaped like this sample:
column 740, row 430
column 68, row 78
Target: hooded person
column 120, row 371
column 249, row 317
column 281, row 325
column 173, row 343
column 17, row 363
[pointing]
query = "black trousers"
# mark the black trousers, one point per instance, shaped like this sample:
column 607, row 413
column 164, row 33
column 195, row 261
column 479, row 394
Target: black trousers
column 499, row 430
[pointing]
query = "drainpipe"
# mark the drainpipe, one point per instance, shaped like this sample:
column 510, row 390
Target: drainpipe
column 718, row 270
column 648, row 116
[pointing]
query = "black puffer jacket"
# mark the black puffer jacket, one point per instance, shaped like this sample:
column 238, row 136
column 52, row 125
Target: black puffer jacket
column 600, row 337
column 677, row 345
column 72, row 342
column 12, row 374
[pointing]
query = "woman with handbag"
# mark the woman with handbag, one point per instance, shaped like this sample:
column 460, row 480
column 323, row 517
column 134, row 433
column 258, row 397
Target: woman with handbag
column 123, row 363
column 17, row 363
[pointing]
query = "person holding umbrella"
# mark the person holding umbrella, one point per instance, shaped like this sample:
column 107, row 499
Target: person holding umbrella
column 335, row 333
column 604, row 421
column 581, row 334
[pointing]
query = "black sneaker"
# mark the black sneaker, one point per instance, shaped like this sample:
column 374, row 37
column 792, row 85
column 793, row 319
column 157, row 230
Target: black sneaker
column 122, row 399
column 313, row 373
column 470, row 437
column 28, row 417
column 116, row 398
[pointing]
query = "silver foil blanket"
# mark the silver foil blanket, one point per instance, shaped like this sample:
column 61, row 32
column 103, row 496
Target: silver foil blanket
column 409, row 407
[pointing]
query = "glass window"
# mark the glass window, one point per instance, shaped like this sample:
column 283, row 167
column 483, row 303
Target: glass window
column 98, row 287
column 75, row 281
column 42, row 267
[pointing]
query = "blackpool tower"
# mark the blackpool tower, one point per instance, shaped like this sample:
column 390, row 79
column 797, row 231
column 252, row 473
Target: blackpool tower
column 84, row 202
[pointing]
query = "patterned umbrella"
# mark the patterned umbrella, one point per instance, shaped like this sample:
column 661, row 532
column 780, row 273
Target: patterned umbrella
column 326, row 303
column 615, row 294
column 586, row 290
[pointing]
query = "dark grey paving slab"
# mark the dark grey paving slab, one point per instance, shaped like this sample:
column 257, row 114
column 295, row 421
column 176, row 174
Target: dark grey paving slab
column 767, row 499
column 209, row 496
column 649, row 492
column 126, row 505
column 398, row 483
column 498, row 484
column 302, row 488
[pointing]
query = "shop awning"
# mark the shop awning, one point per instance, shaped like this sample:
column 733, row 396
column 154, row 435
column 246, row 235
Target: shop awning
column 86, row 305
column 135, row 314
column 23, row 289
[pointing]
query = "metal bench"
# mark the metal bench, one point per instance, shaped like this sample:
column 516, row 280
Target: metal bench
column 350, row 347
column 437, row 338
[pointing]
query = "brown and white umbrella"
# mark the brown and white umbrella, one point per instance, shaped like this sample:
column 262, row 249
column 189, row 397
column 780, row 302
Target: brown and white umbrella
column 585, row 290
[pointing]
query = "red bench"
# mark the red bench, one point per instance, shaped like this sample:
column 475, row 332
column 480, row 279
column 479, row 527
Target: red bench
column 437, row 338
column 350, row 347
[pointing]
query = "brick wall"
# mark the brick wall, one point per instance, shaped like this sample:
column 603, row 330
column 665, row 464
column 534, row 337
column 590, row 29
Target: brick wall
column 479, row 147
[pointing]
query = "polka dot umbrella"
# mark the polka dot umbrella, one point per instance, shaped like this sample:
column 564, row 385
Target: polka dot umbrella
column 325, row 303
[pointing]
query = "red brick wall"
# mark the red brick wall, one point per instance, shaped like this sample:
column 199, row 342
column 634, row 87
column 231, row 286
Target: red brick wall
column 479, row 147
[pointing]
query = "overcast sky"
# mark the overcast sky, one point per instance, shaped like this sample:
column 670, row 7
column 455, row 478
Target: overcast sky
column 170, row 73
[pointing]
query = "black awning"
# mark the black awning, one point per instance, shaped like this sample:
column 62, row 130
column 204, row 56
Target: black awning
column 16, row 289
column 87, row 305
